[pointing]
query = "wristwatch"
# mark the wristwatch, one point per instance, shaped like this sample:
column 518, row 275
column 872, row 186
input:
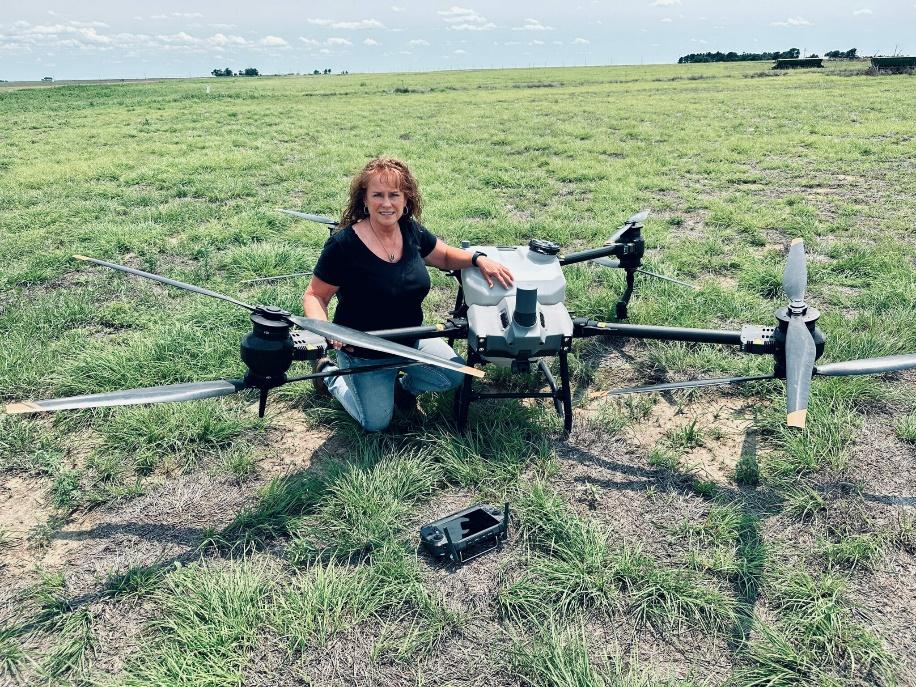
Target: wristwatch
column 477, row 254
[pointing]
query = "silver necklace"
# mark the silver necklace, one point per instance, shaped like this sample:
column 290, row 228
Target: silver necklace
column 391, row 255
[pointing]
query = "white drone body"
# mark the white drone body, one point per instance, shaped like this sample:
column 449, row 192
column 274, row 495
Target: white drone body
column 524, row 322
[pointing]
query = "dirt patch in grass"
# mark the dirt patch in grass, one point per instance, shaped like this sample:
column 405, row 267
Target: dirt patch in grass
column 709, row 432
column 882, row 596
column 158, row 528
column 22, row 508
column 291, row 444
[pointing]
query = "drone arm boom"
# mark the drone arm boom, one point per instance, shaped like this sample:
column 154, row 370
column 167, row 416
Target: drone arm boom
column 592, row 253
column 453, row 328
column 584, row 327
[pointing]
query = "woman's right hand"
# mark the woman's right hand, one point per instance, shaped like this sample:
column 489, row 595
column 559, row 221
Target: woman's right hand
column 339, row 345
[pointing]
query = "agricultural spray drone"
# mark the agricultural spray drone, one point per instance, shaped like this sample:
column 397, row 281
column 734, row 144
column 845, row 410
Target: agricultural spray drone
column 518, row 326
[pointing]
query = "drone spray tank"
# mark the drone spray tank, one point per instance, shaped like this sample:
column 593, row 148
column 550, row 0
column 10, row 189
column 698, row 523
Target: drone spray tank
column 526, row 321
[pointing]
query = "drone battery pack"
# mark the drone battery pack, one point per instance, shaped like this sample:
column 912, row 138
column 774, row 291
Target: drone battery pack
column 466, row 534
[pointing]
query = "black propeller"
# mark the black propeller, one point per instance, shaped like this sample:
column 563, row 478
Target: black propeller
column 799, row 350
column 171, row 393
column 155, row 394
column 329, row 330
column 613, row 264
column 689, row 384
column 321, row 219
column 638, row 218
column 276, row 276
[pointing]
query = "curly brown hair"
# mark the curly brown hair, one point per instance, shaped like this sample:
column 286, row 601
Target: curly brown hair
column 391, row 171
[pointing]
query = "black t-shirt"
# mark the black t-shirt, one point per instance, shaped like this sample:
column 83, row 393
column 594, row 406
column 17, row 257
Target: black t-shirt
column 374, row 293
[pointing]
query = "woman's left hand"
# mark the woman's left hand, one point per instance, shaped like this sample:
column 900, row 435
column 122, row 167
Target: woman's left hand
column 490, row 269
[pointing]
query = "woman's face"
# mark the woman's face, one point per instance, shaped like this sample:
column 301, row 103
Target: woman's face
column 385, row 202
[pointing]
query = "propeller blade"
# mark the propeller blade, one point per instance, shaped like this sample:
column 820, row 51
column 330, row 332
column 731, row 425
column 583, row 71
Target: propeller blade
column 795, row 276
column 278, row 276
column 607, row 262
column 662, row 276
column 800, row 353
column 354, row 337
column 868, row 366
column 321, row 219
column 166, row 280
column 690, row 384
column 638, row 218
column 155, row 394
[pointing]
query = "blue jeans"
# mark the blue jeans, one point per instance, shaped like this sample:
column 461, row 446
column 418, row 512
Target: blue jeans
column 369, row 396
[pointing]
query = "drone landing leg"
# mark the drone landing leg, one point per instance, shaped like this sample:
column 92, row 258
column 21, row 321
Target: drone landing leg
column 262, row 402
column 552, row 383
column 625, row 298
column 566, row 392
column 463, row 397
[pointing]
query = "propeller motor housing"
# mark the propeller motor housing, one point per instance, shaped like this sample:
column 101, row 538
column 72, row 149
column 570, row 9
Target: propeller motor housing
column 268, row 349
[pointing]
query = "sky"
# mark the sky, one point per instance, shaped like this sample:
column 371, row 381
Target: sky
column 162, row 38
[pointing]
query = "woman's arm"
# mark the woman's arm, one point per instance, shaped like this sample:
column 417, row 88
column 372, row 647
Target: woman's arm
column 316, row 298
column 315, row 304
column 447, row 257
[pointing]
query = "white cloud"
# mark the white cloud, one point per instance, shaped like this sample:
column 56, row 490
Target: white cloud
column 666, row 20
column 417, row 41
column 370, row 41
column 395, row 8
column 535, row 42
column 222, row 40
column 698, row 40
column 532, row 25
column 792, row 22
column 187, row 15
column 665, row 3
column 349, row 25
column 489, row 26
column 273, row 42
column 180, row 37
column 311, row 42
column 459, row 51
column 581, row 41
column 864, row 10
column 338, row 41
column 95, row 24
column 455, row 13
column 464, row 19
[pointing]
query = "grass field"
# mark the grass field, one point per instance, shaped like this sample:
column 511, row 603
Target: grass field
column 684, row 539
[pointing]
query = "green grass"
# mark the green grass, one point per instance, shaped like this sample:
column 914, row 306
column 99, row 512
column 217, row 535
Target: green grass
column 167, row 178
column 906, row 428
column 576, row 568
column 209, row 618
column 561, row 657
column 817, row 639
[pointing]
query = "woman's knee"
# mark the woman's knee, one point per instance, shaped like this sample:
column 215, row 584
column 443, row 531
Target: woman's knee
column 454, row 379
column 376, row 417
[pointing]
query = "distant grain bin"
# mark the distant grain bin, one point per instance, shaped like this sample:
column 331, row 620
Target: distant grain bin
column 799, row 63
column 894, row 65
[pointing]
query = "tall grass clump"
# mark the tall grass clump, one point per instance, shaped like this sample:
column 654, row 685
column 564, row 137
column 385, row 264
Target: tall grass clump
column 574, row 567
column 209, row 619
column 815, row 638
column 365, row 502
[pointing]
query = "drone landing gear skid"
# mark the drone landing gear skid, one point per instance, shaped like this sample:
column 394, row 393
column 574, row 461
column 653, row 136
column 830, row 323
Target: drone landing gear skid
column 561, row 395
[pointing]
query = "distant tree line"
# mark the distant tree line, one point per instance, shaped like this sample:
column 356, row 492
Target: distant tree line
column 842, row 54
column 248, row 71
column 790, row 54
